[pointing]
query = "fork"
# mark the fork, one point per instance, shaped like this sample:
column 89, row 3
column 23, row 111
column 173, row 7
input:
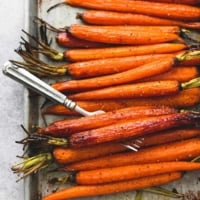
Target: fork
column 31, row 81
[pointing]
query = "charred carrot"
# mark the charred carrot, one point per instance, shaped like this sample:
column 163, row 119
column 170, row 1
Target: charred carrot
column 68, row 155
column 69, row 126
column 122, row 173
column 110, row 52
column 179, row 150
column 66, row 40
column 165, row 10
column 185, row 98
column 137, row 90
column 131, row 128
column 93, row 190
column 180, row 73
column 115, row 36
column 99, row 17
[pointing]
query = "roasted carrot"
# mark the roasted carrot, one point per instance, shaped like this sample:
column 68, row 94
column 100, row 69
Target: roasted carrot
column 180, row 73
column 185, row 98
column 179, row 150
column 144, row 71
column 165, row 10
column 106, row 66
column 122, row 173
column 94, row 190
column 189, row 2
column 68, row 155
column 131, row 128
column 110, row 52
column 136, row 90
column 66, row 40
column 69, row 126
column 99, row 17
column 115, row 36
column 147, row 70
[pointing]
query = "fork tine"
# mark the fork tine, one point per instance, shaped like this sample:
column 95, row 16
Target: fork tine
column 129, row 147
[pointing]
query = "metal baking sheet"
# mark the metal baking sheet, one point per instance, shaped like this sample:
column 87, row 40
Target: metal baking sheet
column 37, row 185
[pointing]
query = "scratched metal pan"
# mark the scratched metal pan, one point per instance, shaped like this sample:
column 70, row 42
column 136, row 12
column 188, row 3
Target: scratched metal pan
column 37, row 185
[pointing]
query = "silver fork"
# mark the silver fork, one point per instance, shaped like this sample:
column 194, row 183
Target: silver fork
column 31, row 81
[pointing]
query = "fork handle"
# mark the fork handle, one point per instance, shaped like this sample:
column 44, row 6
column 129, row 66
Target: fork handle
column 29, row 80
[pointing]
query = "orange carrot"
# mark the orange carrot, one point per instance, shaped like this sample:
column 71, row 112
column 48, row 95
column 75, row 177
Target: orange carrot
column 127, row 91
column 185, row 98
column 106, row 66
column 122, row 173
column 66, row 40
column 66, row 127
column 94, row 190
column 165, row 10
column 131, row 128
column 147, row 70
column 68, row 155
column 180, row 73
column 115, row 36
column 110, row 52
column 100, row 17
column 179, row 150
column 189, row 2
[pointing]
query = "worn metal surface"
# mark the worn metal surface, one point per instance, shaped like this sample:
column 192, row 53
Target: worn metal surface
column 36, row 185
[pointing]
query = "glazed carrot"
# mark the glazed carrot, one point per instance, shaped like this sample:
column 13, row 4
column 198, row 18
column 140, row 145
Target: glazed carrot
column 185, row 98
column 106, row 66
column 94, row 190
column 127, row 91
column 68, row 155
column 122, row 173
column 190, row 2
column 110, row 52
column 180, row 73
column 114, row 36
column 131, row 128
column 66, row 40
column 147, row 70
column 99, row 17
column 68, row 126
column 165, row 10
column 179, row 150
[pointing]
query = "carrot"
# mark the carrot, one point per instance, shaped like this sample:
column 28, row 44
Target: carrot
column 110, row 52
column 68, row 155
column 147, row 70
column 131, row 128
column 180, row 73
column 100, row 17
column 68, row 126
column 165, row 10
column 122, row 173
column 106, row 66
column 66, row 40
column 136, row 90
column 115, row 36
column 179, row 150
column 190, row 2
column 185, row 98
column 104, row 189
